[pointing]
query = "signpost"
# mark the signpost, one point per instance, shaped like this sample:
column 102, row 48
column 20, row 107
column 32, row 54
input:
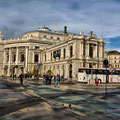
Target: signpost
column 105, row 62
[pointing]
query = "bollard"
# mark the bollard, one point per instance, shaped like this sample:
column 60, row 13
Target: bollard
column 96, row 83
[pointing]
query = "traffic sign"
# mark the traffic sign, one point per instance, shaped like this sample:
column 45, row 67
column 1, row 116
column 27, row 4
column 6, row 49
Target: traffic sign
column 110, row 67
column 105, row 62
column 114, row 69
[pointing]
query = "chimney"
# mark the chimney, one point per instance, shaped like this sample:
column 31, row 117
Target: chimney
column 65, row 29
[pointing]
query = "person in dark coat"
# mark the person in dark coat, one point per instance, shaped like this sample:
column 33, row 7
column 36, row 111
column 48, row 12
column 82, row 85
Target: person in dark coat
column 50, row 78
column 46, row 79
column 21, row 79
column 57, row 80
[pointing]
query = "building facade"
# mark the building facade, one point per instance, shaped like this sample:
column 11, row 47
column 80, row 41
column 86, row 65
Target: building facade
column 113, row 57
column 61, row 52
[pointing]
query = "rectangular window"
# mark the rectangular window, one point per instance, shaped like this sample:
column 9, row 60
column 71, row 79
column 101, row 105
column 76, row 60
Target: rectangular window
column 54, row 54
column 90, row 65
column 64, row 54
column 71, row 51
column 57, row 53
column 45, row 57
column 36, row 47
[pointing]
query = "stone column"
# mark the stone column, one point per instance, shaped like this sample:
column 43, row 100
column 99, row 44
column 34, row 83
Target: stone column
column 74, row 49
column 16, row 69
column 67, row 71
column 26, row 59
column 4, row 61
column 100, row 51
column 33, row 57
column 87, row 50
column 82, row 49
column 17, row 56
column 68, row 51
column 74, row 70
column 9, row 63
column 62, row 53
column 95, row 51
column 79, row 49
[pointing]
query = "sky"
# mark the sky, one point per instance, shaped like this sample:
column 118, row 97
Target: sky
column 100, row 16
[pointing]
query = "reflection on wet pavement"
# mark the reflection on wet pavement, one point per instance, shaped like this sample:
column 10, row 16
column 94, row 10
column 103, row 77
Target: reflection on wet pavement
column 83, row 101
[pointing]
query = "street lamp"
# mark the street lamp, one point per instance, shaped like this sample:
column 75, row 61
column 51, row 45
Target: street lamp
column 105, row 62
column 92, row 82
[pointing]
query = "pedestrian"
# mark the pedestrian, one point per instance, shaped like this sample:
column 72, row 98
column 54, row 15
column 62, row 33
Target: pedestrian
column 57, row 81
column 21, row 79
column 15, row 77
column 46, row 78
column 43, row 78
column 50, row 78
column 96, row 81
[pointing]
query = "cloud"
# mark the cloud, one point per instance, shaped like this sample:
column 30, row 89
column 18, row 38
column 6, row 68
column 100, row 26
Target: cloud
column 100, row 16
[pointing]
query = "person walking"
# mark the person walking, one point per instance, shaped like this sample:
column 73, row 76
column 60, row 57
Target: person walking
column 46, row 79
column 21, row 79
column 57, row 81
column 50, row 78
column 15, row 77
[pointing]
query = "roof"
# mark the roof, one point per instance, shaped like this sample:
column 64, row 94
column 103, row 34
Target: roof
column 47, row 30
column 115, row 52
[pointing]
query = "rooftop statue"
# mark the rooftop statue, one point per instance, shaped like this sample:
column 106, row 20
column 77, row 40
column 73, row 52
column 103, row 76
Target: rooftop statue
column 81, row 33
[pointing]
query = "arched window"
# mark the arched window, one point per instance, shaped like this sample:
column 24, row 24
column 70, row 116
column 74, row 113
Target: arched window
column 22, row 58
column 71, row 51
column 36, row 58
column 91, row 52
column 14, row 57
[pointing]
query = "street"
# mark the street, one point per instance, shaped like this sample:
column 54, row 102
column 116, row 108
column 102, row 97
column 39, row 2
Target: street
column 46, row 102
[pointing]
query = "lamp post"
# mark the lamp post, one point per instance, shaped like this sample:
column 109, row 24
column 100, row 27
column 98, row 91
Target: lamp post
column 105, row 62
column 92, row 82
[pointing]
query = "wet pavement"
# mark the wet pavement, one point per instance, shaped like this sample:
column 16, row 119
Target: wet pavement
column 74, row 102
column 84, row 100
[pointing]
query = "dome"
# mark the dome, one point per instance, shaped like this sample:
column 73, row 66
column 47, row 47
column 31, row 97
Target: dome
column 44, row 29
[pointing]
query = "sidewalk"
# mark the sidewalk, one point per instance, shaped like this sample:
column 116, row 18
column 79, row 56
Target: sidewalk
column 35, row 100
column 19, row 104
column 66, row 84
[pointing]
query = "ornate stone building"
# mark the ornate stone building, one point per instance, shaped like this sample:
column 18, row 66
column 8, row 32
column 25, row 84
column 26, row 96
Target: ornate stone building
column 61, row 52
column 113, row 57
